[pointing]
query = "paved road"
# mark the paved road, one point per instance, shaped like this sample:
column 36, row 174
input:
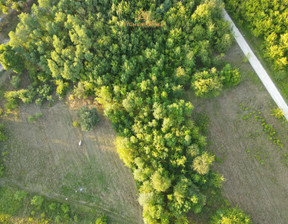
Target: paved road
column 257, row 66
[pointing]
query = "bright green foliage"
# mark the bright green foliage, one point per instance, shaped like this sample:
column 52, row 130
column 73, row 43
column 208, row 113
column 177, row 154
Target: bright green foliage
column 202, row 163
column 278, row 113
column 87, row 118
column 230, row 216
column 160, row 181
column 268, row 20
column 102, row 220
column 207, row 83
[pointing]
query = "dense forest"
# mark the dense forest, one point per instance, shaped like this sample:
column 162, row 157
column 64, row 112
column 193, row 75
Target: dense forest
column 268, row 20
column 139, row 74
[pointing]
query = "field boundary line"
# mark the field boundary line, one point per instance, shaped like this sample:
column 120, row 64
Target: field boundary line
column 258, row 68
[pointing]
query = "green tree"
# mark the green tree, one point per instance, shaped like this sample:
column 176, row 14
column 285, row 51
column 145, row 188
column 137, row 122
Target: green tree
column 231, row 216
column 10, row 59
column 87, row 118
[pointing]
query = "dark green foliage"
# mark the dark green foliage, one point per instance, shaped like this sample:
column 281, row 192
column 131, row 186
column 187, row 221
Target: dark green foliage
column 87, row 118
column 3, row 137
column 231, row 216
column 10, row 59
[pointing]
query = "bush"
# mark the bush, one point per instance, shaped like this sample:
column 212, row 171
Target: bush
column 206, row 83
column 231, row 216
column 15, row 81
column 20, row 195
column 87, row 118
column 278, row 113
column 102, row 220
column 75, row 124
column 31, row 118
column 38, row 115
column 37, row 201
column 52, row 206
column 231, row 77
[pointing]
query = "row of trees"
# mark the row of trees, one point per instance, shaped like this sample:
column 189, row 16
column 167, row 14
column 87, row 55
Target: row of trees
column 269, row 20
column 139, row 75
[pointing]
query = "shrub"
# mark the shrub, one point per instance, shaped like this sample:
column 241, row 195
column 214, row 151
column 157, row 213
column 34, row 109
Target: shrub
column 52, row 206
column 11, row 105
column 206, row 83
column 19, row 195
column 87, row 118
column 31, row 118
column 102, row 220
column 37, row 201
column 75, row 124
column 65, row 208
column 278, row 113
column 38, row 115
column 231, row 77
column 231, row 216
column 15, row 81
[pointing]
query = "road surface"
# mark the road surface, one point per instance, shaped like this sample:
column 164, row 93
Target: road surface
column 257, row 66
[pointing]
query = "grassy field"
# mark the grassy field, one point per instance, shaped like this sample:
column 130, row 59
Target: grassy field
column 255, row 168
column 44, row 158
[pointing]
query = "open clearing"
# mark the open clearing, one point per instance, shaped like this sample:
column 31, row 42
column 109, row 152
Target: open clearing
column 44, row 157
column 254, row 167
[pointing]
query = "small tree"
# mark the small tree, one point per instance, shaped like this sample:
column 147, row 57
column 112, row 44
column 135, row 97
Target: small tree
column 231, row 216
column 87, row 118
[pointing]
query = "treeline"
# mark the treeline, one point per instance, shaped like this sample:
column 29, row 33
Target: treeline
column 139, row 75
column 268, row 20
